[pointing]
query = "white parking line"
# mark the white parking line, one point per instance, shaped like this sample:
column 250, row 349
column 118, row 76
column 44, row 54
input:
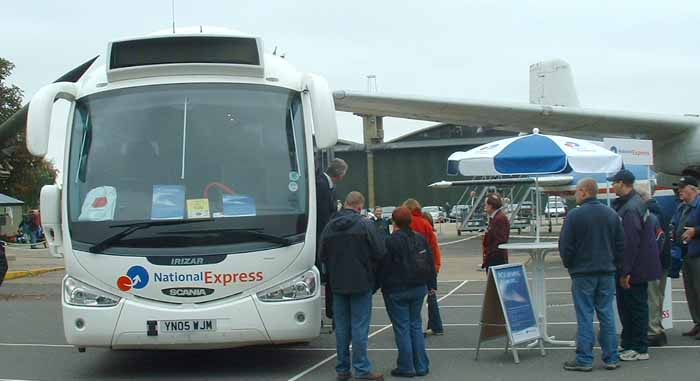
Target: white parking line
column 471, row 349
column 549, row 323
column 458, row 241
column 35, row 345
column 384, row 328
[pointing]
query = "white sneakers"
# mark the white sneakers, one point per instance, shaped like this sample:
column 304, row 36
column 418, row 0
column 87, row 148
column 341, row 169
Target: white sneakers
column 632, row 355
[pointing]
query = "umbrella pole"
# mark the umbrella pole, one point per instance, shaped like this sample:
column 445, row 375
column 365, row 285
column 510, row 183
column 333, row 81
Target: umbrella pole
column 537, row 209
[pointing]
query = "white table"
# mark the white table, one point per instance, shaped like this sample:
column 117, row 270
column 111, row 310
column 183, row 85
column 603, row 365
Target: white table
column 538, row 251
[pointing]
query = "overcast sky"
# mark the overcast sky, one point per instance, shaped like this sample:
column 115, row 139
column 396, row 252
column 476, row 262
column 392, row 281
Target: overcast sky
column 634, row 55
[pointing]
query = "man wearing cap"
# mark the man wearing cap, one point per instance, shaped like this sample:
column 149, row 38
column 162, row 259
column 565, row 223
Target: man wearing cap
column 685, row 226
column 640, row 265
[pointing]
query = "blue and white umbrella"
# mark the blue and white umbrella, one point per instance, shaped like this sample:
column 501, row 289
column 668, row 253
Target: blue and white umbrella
column 534, row 154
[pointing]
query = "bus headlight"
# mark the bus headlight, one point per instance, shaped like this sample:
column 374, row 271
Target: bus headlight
column 301, row 287
column 80, row 294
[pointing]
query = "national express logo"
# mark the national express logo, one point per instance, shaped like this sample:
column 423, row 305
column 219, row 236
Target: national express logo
column 136, row 277
column 572, row 144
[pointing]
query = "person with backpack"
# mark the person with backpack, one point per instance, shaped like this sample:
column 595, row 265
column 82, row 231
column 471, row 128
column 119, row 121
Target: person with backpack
column 640, row 265
column 351, row 251
column 657, row 288
column 420, row 225
column 404, row 272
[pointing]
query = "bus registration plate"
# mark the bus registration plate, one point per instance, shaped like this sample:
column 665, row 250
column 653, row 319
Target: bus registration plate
column 176, row 326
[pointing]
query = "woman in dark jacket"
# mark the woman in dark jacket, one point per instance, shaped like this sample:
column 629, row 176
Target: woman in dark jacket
column 497, row 233
column 404, row 291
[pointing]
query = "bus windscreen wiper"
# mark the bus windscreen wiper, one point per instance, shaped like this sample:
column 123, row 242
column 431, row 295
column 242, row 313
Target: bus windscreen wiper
column 256, row 233
column 130, row 228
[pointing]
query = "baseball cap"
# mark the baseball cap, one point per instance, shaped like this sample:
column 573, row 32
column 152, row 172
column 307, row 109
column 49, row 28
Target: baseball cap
column 623, row 175
column 686, row 180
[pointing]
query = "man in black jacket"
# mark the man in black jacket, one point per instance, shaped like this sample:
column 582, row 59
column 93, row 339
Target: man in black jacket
column 591, row 246
column 3, row 263
column 325, row 208
column 351, row 250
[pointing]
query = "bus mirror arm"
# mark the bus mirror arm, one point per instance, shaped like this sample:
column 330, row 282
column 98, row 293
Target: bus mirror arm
column 322, row 110
column 39, row 115
column 50, row 204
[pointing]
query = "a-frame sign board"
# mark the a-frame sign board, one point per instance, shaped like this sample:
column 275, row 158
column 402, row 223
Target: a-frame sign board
column 507, row 309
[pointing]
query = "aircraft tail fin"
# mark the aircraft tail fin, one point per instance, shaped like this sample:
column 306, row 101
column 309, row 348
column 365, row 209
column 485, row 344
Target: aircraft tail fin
column 552, row 84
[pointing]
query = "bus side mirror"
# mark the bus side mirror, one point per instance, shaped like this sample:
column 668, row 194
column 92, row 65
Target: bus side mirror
column 39, row 116
column 323, row 111
column 50, row 205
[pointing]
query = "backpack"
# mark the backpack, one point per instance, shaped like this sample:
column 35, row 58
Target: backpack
column 417, row 265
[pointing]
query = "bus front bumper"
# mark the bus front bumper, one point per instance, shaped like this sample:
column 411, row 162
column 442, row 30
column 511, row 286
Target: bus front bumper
column 138, row 324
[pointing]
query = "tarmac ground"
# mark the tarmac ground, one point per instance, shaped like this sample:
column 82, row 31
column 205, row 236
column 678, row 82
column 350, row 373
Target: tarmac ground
column 32, row 346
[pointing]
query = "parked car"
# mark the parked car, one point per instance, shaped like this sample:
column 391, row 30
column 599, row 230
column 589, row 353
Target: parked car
column 387, row 210
column 555, row 209
column 526, row 209
column 435, row 213
column 458, row 212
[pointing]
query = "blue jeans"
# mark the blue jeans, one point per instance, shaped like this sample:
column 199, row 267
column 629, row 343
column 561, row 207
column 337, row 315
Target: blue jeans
column 594, row 293
column 352, row 314
column 404, row 311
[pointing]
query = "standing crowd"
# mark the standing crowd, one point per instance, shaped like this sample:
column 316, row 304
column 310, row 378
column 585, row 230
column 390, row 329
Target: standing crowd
column 623, row 253
column 619, row 256
column 359, row 256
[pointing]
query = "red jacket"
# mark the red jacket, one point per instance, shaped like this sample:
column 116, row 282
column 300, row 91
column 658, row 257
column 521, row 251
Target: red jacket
column 497, row 233
column 422, row 226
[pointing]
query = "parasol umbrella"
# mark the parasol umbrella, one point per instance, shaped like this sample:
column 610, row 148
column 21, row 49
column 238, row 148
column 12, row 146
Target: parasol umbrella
column 534, row 154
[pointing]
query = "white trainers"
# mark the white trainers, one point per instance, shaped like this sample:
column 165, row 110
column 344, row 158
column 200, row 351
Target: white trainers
column 632, row 355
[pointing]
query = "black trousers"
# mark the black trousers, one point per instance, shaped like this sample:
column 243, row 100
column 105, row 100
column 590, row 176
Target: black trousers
column 3, row 263
column 634, row 315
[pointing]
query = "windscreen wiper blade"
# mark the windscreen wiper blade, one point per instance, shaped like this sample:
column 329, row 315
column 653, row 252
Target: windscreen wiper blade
column 130, row 228
column 257, row 233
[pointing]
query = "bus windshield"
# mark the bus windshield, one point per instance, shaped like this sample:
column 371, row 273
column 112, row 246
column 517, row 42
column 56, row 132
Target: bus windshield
column 230, row 157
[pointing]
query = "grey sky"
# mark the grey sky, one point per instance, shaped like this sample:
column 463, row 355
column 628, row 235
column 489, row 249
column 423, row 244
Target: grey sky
column 635, row 55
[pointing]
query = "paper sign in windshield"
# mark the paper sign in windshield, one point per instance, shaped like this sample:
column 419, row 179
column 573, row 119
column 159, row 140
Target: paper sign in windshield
column 198, row 208
column 99, row 204
column 168, row 202
column 238, row 205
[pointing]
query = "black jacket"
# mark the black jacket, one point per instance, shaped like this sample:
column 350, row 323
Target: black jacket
column 3, row 263
column 592, row 240
column 391, row 278
column 325, row 208
column 351, row 251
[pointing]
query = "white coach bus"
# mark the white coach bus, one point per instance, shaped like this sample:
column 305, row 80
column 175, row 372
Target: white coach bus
column 186, row 209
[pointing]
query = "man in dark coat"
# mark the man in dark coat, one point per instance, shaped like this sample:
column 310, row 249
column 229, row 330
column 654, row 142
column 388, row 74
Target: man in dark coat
column 640, row 265
column 3, row 263
column 591, row 246
column 497, row 233
column 351, row 251
column 325, row 208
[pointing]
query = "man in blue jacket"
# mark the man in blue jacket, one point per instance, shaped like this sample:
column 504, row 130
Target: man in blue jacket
column 686, row 231
column 640, row 266
column 591, row 246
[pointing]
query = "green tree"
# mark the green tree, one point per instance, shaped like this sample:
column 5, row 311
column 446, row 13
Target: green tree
column 22, row 175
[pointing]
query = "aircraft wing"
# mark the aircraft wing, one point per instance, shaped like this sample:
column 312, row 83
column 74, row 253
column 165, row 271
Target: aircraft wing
column 523, row 117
